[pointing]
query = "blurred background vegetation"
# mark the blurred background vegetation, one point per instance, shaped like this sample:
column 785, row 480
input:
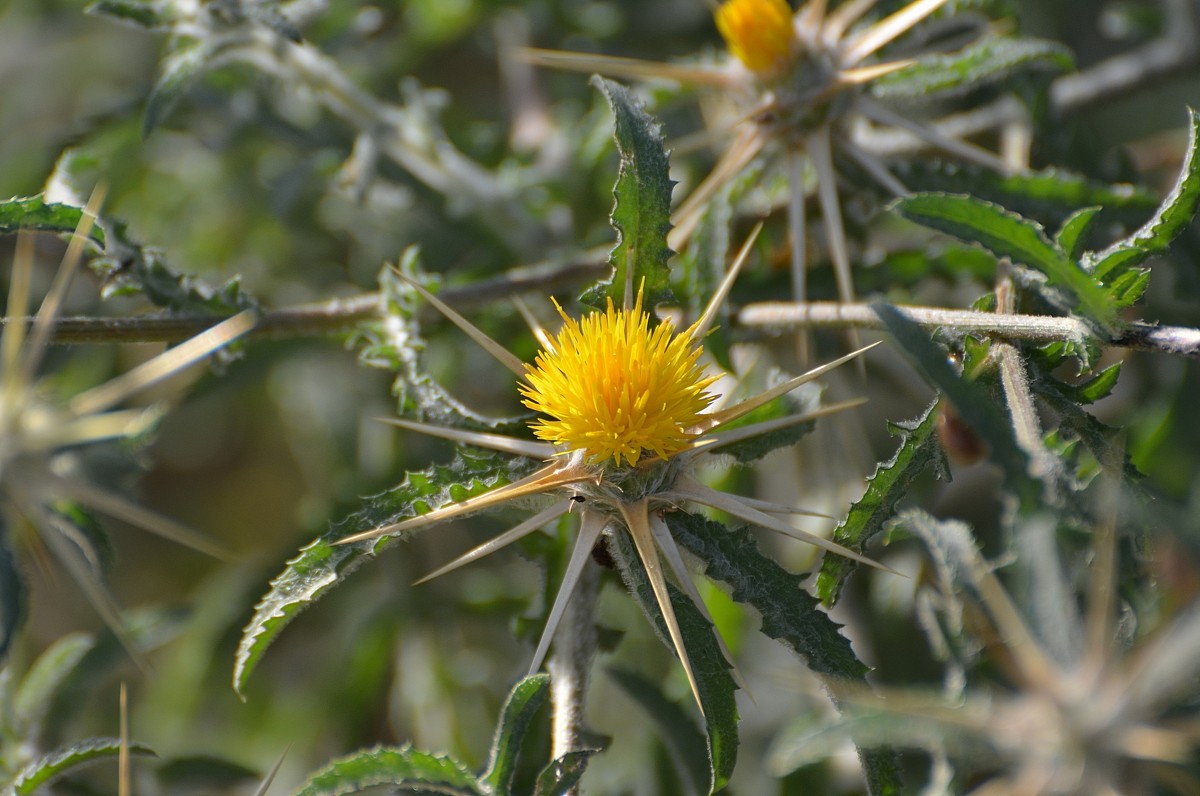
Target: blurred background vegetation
column 251, row 178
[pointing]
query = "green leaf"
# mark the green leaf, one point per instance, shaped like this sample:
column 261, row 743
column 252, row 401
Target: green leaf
column 1172, row 216
column 988, row 60
column 713, row 680
column 789, row 613
column 1072, row 237
column 1105, row 442
column 13, row 594
column 684, row 742
column 974, row 403
column 140, row 14
column 129, row 267
column 41, row 684
column 1009, row 235
column 58, row 762
column 525, row 699
column 919, row 450
column 1050, row 195
column 563, row 774
column 180, row 69
column 32, row 212
column 642, row 211
column 323, row 564
column 1098, row 386
column 395, row 344
column 415, row 771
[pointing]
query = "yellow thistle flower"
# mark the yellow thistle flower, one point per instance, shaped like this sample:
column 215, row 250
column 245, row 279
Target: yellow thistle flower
column 615, row 388
column 628, row 415
column 759, row 33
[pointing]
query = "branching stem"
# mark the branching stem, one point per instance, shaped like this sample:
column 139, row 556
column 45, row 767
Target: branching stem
column 341, row 315
column 779, row 316
column 571, row 661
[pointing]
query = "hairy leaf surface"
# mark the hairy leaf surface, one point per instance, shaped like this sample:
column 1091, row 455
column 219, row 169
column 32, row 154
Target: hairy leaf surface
column 887, row 486
column 642, row 211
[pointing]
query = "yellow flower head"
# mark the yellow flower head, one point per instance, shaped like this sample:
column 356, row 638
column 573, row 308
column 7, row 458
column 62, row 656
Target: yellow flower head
column 759, row 33
column 617, row 389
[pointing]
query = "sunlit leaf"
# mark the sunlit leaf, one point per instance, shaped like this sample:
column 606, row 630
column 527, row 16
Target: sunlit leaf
column 1072, row 237
column 989, row 60
column 789, row 613
column 407, row 769
column 33, row 212
column 919, row 450
column 642, row 210
column 524, row 700
column 323, row 564
column 151, row 15
column 178, row 72
column 1007, row 234
column 60, row 761
column 715, row 684
column 562, row 775
column 1172, row 216
column 970, row 398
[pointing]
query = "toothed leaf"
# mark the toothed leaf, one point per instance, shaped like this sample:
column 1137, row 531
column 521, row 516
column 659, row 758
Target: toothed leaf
column 802, row 400
column 143, row 15
column 562, row 775
column 1172, row 216
column 524, row 700
column 1007, row 234
column 918, row 451
column 323, row 564
column 403, row 767
column 129, row 267
column 33, row 212
column 1073, row 234
column 789, row 613
column 715, row 684
column 989, row 60
column 972, row 400
column 60, row 761
column 642, row 211
column 1050, row 195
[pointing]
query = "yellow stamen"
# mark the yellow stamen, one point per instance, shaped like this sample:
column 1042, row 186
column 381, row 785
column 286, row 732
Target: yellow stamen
column 759, row 33
column 616, row 389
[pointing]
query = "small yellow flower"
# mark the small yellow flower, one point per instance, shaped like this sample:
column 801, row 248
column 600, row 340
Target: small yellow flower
column 616, row 389
column 759, row 33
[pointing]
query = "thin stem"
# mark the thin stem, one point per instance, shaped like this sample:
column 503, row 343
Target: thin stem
column 779, row 316
column 326, row 317
column 570, row 662
column 1017, row 395
column 341, row 315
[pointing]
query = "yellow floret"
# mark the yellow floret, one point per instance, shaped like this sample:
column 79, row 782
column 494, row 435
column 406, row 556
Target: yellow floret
column 616, row 389
column 759, row 33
